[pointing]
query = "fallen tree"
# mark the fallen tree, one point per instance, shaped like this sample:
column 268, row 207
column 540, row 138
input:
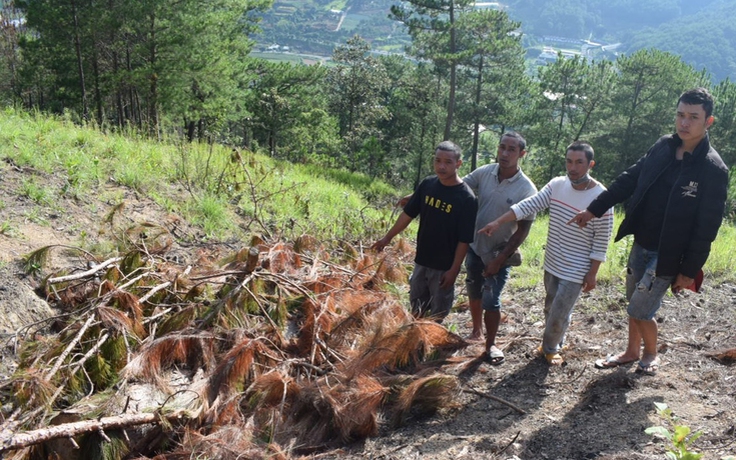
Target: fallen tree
column 293, row 346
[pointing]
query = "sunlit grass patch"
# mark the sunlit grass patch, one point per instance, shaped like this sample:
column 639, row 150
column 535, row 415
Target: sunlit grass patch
column 211, row 213
column 719, row 267
column 36, row 192
column 721, row 264
column 6, row 228
column 36, row 216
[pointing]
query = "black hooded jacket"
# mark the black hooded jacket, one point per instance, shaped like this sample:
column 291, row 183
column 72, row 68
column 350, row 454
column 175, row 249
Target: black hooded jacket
column 693, row 211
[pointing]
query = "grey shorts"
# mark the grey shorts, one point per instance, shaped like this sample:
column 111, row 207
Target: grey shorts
column 644, row 289
column 426, row 297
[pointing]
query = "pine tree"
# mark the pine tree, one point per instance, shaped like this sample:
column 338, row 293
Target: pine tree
column 433, row 27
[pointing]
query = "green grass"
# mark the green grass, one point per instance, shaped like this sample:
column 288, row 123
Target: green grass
column 85, row 156
column 227, row 197
column 722, row 260
column 337, row 5
column 38, row 193
column 6, row 228
column 358, row 182
column 35, row 215
column 306, row 202
column 212, row 214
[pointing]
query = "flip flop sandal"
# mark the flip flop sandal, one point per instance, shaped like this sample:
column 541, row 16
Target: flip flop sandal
column 554, row 359
column 648, row 369
column 495, row 356
column 611, row 362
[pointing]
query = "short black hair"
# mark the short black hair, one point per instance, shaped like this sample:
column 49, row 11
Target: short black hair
column 518, row 137
column 449, row 146
column 582, row 146
column 698, row 96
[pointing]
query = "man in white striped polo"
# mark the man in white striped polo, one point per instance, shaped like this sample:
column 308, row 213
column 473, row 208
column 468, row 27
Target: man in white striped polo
column 572, row 255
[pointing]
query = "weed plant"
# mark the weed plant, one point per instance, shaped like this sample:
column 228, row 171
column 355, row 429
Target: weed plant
column 680, row 436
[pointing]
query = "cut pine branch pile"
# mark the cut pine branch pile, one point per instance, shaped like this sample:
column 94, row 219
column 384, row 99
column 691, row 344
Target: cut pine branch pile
column 276, row 350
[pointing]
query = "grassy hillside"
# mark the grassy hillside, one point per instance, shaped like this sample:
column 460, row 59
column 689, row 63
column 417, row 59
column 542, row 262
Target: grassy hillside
column 220, row 353
column 228, row 192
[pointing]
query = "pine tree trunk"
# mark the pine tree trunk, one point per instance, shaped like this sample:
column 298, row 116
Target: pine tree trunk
column 68, row 430
column 80, row 66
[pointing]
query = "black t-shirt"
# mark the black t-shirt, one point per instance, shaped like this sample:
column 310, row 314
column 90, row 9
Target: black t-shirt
column 649, row 226
column 446, row 218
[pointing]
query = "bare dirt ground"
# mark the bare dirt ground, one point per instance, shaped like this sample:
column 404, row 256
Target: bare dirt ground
column 522, row 409
column 577, row 411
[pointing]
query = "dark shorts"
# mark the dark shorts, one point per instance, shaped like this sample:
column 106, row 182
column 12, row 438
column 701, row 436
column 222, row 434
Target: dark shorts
column 487, row 289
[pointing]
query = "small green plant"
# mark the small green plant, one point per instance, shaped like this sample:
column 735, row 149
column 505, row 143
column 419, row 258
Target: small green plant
column 680, row 436
column 5, row 228
column 35, row 192
column 34, row 215
column 212, row 214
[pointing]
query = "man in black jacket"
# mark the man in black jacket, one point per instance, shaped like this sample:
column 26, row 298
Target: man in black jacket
column 677, row 194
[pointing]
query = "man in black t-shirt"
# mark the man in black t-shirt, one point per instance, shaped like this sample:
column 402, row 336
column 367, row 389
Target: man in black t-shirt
column 446, row 208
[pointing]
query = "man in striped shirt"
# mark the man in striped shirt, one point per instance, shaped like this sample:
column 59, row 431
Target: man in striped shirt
column 572, row 255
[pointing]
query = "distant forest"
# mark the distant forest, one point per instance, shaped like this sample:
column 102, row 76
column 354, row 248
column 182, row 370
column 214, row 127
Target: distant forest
column 702, row 32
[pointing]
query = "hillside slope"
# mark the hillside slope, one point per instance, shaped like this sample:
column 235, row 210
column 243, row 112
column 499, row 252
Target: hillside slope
column 523, row 409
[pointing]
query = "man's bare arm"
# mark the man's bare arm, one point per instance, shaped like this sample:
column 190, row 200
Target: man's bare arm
column 402, row 222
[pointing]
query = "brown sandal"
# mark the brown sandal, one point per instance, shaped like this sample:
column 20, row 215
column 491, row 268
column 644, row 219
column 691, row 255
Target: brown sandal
column 553, row 359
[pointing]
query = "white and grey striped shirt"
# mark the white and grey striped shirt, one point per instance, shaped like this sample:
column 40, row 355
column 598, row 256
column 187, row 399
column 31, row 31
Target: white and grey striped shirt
column 569, row 248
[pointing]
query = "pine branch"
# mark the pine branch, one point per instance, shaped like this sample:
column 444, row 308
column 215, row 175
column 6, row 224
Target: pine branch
column 90, row 272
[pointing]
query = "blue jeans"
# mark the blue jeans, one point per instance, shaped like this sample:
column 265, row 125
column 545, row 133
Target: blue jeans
column 560, row 297
column 487, row 289
column 644, row 288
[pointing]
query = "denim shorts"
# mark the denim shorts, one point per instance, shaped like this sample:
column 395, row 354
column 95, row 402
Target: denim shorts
column 487, row 289
column 644, row 289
